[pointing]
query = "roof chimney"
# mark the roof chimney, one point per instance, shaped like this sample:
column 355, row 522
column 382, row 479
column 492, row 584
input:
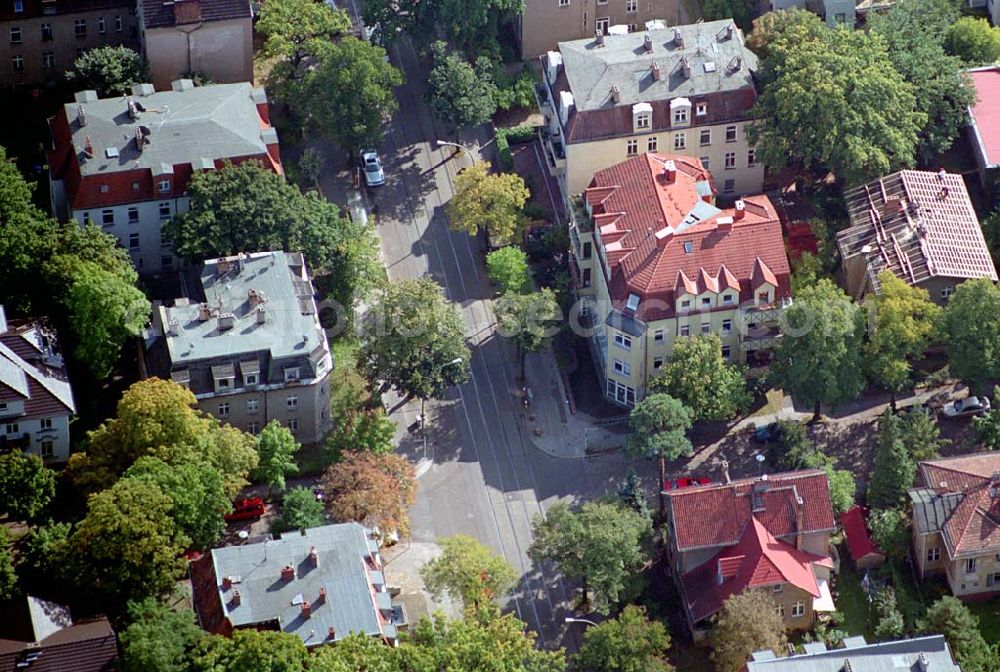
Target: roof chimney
column 237, row 598
column 994, row 479
column 599, row 36
column 647, row 43
column 729, row 31
column 678, row 38
column 725, row 472
column 204, row 312
column 331, row 633
column 227, row 582
column 942, row 174
column 616, row 94
column 314, row 557
column 140, row 139
column 261, row 315
column 686, row 67
column 287, row 573
column 306, row 609
column 226, row 321
column 739, row 209
column 799, row 522
column 922, row 663
column 88, row 146
column 669, row 171
column 655, row 70
column 322, row 594
column 81, row 115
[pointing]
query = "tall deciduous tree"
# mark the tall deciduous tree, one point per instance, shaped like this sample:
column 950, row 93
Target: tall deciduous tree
column 111, row 71
column 8, row 577
column 471, row 25
column 891, row 532
column 459, row 93
column 972, row 328
column 295, row 30
column 276, row 446
column 530, row 319
column 199, row 502
column 414, row 341
column 492, row 202
column 659, row 424
column 26, row 485
column 370, row 430
column 600, row 542
column 250, row 649
column 740, row 11
column 349, row 95
column 960, row 627
column 375, row 490
column 748, row 622
column 894, row 468
column 988, row 424
column 468, row 571
column 508, row 268
column 905, row 323
column 819, row 358
column 629, row 643
column 158, row 638
column 300, row 510
column 783, row 25
column 699, row 376
column 974, row 40
column 834, row 100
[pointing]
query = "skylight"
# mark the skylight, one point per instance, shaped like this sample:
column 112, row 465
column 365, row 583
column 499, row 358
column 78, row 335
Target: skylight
column 632, row 303
column 688, row 247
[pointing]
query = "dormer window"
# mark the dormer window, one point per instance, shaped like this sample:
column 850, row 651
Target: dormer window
column 642, row 116
column 164, row 186
column 681, row 115
column 632, row 303
column 680, row 112
column 701, row 110
column 291, row 373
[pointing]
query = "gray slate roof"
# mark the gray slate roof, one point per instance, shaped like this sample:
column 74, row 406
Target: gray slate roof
column 188, row 126
column 932, row 510
column 157, row 13
column 623, row 61
column 898, row 656
column 255, row 570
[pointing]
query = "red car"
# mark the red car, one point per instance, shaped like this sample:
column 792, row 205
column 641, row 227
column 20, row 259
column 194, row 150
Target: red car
column 246, row 509
column 687, row 482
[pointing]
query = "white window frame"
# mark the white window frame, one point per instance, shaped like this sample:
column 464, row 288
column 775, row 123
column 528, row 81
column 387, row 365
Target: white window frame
column 681, row 114
column 623, row 341
column 250, row 378
column 651, row 144
column 224, row 409
column 657, row 363
column 631, row 6
column 644, row 120
column 933, row 554
column 253, row 405
column 799, row 609
column 705, row 137
column 164, row 186
column 564, row 3
column 102, row 25
column 727, row 326
column 80, row 28
column 118, row 23
column 700, row 109
column 732, row 133
column 632, row 148
column 658, row 336
column 729, row 161
column 16, row 36
column 684, row 330
column 47, row 449
column 292, row 401
column 622, row 368
column 133, row 240
column 970, row 565
column 680, row 141
column 17, row 62
column 751, row 157
column 292, row 373
column 45, row 423
column 293, row 424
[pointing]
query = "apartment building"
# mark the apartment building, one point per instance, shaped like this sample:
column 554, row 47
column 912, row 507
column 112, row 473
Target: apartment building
column 321, row 584
column 125, row 163
column 834, row 12
column 984, row 123
column 687, row 90
column 40, row 39
column 248, row 343
column 919, row 225
column 545, row 23
column 655, row 260
column 36, row 400
column 211, row 38
column 769, row 533
column 916, row 654
column 956, row 523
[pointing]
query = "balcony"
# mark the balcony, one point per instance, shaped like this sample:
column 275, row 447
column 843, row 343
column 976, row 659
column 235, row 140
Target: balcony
column 11, row 442
column 762, row 342
column 580, row 218
column 769, row 312
column 555, row 153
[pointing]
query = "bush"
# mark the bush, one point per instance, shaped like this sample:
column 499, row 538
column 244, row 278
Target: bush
column 508, row 268
column 300, row 510
column 515, row 91
column 516, row 135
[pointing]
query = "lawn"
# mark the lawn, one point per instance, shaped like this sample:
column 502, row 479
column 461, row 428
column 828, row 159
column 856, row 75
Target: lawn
column 852, row 603
column 989, row 618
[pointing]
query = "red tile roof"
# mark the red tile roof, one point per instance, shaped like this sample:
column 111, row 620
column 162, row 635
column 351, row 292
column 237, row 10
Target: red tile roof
column 48, row 392
column 859, row 541
column 716, row 515
column 986, row 111
column 973, row 528
column 757, row 560
column 647, row 222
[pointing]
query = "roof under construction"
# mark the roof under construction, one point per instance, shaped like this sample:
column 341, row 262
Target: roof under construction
column 917, row 224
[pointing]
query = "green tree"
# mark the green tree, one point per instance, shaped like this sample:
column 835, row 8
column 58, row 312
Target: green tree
column 890, row 531
column 295, row 31
column 832, row 99
column 921, row 434
column 349, row 94
column 300, row 510
column 375, row 490
column 263, row 650
column 988, row 425
column 470, row 25
column 700, row 377
column 160, row 418
column 631, row 493
column 740, row 11
column 414, row 341
column 158, row 638
column 748, row 622
column 354, row 653
column 889, row 624
column 659, row 424
column 914, row 31
column 492, row 202
column 8, row 577
column 199, row 501
column 469, row 571
column 960, row 627
column 111, row 71
column 600, row 542
column 530, row 319
column 128, row 546
column 819, row 359
column 276, row 446
column 370, row 430
column 905, row 323
column 43, row 560
column 508, row 269
column 972, row 327
column 26, row 485
column 807, row 269
column 973, row 40
column 793, row 23
column 894, row 469
column 629, row 643
column 459, row 93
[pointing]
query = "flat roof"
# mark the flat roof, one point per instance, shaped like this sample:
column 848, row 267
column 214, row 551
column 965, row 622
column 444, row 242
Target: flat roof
column 985, row 112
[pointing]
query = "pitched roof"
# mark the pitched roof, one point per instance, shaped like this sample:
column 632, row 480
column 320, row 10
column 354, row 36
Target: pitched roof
column 664, row 237
column 40, row 636
column 716, row 515
column 985, row 112
column 33, row 372
column 757, row 560
column 917, row 224
column 159, row 14
column 859, row 540
column 970, row 486
column 900, row 656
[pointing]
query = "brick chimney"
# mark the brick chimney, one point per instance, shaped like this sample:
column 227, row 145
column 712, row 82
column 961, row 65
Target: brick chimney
column 655, row 71
column 306, row 609
column 678, row 38
column 322, row 594
column 187, row 11
column 287, row 573
column 331, row 633
column 237, row 598
column 799, row 523
column 227, row 582
column 739, row 210
column 669, row 171
column 647, row 43
column 313, row 556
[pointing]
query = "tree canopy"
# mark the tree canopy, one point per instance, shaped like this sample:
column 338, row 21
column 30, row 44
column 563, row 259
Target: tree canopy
column 960, row 627
column 659, row 425
column 748, row 622
column 700, row 377
column 276, row 447
column 819, row 358
column 972, row 328
column 629, row 643
column 300, row 510
column 532, row 320
column 468, row 571
column 894, row 469
column 493, row 202
column 600, row 542
column 8, row 576
column 158, row 638
column 296, row 30
column 372, row 489
column 973, row 40
column 832, row 99
column 459, row 93
column 26, row 485
column 508, row 268
column 111, row 71
column 414, row 341
column 891, row 532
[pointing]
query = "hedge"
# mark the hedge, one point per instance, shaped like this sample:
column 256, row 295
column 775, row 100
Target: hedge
column 518, row 135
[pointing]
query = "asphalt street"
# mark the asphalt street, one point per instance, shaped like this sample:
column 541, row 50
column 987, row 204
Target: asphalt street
column 485, row 479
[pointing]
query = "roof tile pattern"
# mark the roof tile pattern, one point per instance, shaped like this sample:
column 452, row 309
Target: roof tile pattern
column 31, row 371
column 973, row 526
column 986, row 111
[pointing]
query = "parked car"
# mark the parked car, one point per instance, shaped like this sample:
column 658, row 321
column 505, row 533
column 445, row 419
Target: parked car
column 961, row 408
column 372, row 166
column 687, row 482
column 246, row 509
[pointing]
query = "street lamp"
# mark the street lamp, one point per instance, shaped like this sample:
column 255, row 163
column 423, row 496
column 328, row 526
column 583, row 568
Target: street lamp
column 570, row 619
column 445, row 143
